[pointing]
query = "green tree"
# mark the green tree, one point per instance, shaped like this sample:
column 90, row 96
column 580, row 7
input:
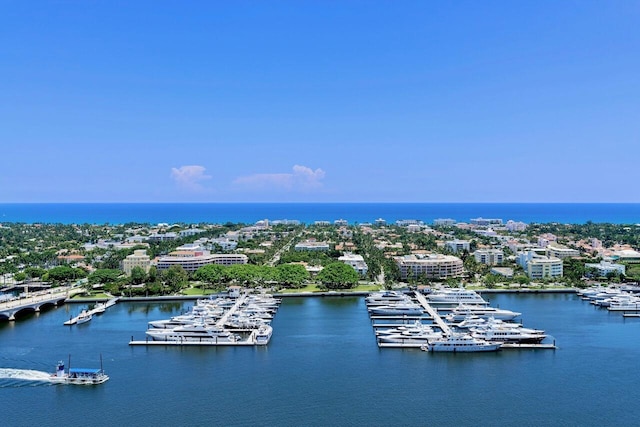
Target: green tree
column 104, row 275
column 211, row 274
column 175, row 278
column 292, row 275
column 138, row 275
column 338, row 275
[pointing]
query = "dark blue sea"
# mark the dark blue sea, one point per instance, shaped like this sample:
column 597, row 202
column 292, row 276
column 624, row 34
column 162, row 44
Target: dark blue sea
column 249, row 213
column 323, row 368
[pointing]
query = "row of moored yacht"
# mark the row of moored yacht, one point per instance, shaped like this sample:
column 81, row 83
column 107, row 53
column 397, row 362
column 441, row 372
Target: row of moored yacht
column 469, row 325
column 613, row 298
column 220, row 320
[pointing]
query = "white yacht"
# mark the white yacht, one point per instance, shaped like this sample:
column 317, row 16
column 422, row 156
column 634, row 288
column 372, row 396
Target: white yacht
column 460, row 343
column 420, row 335
column 386, row 297
column 193, row 333
column 459, row 313
column 84, row 317
column 505, row 333
column 399, row 309
column 263, row 334
column 456, row 296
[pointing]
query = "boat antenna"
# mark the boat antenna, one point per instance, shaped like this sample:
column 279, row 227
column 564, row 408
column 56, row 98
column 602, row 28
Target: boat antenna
column 69, row 364
column 101, row 362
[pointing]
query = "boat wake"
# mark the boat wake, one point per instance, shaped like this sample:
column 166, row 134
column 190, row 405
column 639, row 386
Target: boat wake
column 10, row 377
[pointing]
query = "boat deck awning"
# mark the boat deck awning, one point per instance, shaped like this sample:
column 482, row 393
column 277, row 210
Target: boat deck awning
column 84, row 371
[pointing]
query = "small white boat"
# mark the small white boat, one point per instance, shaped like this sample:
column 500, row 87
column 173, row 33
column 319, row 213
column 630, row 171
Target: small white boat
column 263, row 334
column 79, row 376
column 84, row 317
column 99, row 308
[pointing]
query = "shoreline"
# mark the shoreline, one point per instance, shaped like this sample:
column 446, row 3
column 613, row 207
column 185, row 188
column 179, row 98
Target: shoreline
column 307, row 294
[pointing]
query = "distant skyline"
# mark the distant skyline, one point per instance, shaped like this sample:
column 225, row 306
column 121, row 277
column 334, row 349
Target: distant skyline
column 314, row 101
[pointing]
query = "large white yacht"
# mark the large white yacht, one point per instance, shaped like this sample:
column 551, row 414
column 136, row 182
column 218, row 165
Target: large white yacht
column 503, row 332
column 195, row 333
column 456, row 296
column 460, row 343
column 413, row 335
column 386, row 297
column 398, row 309
column 459, row 313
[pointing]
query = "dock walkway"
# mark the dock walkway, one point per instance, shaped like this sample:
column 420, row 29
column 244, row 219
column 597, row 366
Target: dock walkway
column 446, row 329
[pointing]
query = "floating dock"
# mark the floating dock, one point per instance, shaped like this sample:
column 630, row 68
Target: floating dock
column 98, row 309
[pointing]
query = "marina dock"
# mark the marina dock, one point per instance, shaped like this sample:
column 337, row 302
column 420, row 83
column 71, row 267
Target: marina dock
column 98, row 309
column 433, row 313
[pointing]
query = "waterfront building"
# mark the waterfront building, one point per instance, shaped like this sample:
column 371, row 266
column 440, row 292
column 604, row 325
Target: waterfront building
column 540, row 268
column 355, row 261
column 433, row 266
column 458, row 245
column 138, row 258
column 489, row 256
column 605, row 267
column 341, row 222
column 190, row 261
column 322, row 223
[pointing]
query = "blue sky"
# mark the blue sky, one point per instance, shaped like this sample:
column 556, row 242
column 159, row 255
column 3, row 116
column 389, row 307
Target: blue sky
column 344, row 101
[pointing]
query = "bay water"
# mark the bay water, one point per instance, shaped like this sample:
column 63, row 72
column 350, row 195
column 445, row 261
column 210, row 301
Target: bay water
column 323, row 367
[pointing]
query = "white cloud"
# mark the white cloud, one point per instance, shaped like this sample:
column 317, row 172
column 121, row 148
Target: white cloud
column 301, row 179
column 190, row 177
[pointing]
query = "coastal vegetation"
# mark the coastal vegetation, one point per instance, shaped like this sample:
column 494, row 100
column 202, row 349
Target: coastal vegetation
column 55, row 254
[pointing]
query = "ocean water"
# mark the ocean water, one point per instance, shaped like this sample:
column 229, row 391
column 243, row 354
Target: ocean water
column 323, row 367
column 249, row 213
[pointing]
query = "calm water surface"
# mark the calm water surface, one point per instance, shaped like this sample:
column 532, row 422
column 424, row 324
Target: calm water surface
column 323, row 367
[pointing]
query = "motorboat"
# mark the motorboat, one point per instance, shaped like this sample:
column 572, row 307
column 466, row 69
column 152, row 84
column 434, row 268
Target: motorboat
column 399, row 309
column 460, row 343
column 498, row 332
column 99, row 308
column 263, row 334
column 456, row 296
column 193, row 333
column 78, row 376
column 84, row 317
column 459, row 313
column 386, row 297
column 411, row 336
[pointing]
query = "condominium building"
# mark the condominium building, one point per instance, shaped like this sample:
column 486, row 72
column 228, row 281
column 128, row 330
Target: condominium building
column 489, row 256
column 486, row 221
column 515, row 226
column 355, row 261
column 605, row 267
column 558, row 252
column 138, row 258
column 444, row 222
column 190, row 261
column 458, row 245
column 432, row 266
column 540, row 268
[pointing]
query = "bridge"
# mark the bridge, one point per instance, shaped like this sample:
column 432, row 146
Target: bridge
column 34, row 301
